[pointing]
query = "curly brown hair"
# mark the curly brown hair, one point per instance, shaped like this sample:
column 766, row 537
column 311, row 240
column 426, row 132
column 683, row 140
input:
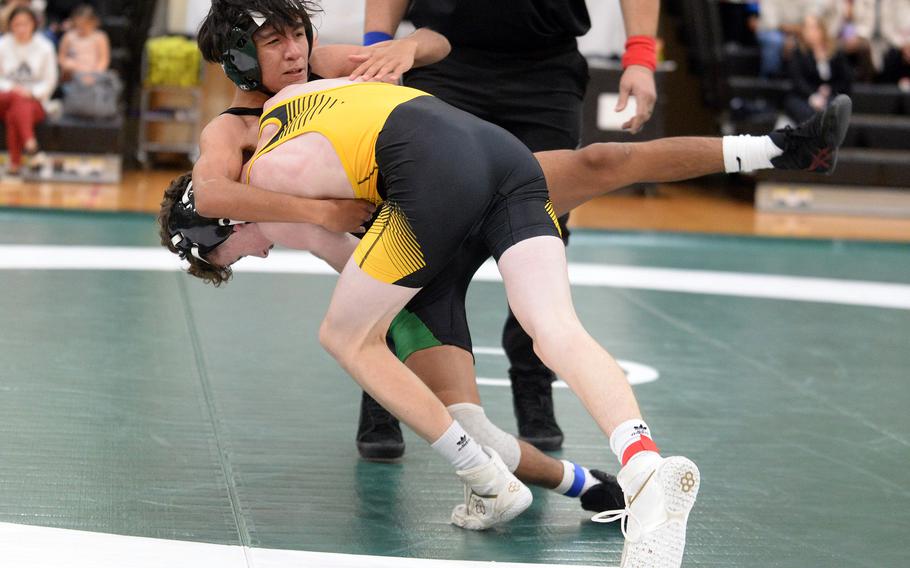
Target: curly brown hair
column 209, row 273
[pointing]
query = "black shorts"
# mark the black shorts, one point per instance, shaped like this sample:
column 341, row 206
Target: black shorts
column 447, row 175
column 436, row 315
column 538, row 98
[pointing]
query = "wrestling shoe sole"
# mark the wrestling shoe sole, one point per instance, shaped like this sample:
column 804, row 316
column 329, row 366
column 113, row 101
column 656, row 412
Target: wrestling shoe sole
column 663, row 547
column 840, row 110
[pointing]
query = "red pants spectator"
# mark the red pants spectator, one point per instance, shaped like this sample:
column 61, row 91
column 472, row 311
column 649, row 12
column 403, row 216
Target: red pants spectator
column 20, row 115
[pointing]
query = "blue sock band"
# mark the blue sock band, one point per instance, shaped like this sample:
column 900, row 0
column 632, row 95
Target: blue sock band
column 370, row 38
column 578, row 483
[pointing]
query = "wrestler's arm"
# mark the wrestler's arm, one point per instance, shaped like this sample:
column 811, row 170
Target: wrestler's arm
column 334, row 248
column 384, row 15
column 219, row 194
column 640, row 18
column 388, row 59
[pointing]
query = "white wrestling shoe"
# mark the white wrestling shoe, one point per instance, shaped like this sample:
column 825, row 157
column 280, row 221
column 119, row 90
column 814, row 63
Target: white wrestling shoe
column 492, row 495
column 654, row 520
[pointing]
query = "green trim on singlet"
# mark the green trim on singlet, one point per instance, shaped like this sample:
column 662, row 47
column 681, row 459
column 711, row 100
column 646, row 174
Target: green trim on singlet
column 410, row 335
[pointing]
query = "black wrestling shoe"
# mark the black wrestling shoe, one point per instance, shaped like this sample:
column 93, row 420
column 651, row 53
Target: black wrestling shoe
column 605, row 496
column 812, row 146
column 532, row 398
column 378, row 433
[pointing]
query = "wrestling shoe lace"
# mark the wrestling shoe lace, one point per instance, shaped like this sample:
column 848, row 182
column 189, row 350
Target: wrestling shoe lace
column 623, row 515
column 653, row 522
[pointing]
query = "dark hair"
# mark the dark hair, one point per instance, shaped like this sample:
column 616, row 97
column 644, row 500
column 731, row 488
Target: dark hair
column 224, row 15
column 84, row 11
column 215, row 275
column 23, row 10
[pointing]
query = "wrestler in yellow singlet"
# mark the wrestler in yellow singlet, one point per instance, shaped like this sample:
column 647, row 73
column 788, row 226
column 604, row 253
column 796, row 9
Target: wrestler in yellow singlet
column 438, row 172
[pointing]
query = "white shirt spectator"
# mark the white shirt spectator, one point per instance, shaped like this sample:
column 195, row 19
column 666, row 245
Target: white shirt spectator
column 895, row 22
column 773, row 14
column 833, row 13
column 32, row 65
column 864, row 15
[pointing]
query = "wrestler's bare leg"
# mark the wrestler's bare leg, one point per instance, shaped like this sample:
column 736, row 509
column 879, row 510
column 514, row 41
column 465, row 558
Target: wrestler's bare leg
column 577, row 176
column 537, row 285
column 354, row 332
column 449, row 372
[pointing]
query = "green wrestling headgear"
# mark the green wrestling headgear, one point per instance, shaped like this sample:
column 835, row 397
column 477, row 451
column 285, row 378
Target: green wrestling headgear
column 240, row 60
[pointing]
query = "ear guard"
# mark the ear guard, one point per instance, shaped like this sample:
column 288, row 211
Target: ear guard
column 193, row 234
column 240, row 60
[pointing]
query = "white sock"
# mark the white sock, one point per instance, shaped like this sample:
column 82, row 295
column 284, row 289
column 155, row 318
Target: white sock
column 460, row 449
column 576, row 480
column 745, row 153
column 630, row 438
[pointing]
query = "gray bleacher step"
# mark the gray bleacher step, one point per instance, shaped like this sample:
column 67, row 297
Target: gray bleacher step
column 867, row 98
column 879, row 99
column 886, row 132
column 742, row 60
column 826, row 199
column 861, row 167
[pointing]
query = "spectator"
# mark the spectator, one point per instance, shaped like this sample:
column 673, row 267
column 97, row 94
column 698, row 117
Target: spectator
column 855, row 36
column 897, row 67
column 85, row 50
column 778, row 24
column 28, row 76
column 818, row 69
column 895, row 30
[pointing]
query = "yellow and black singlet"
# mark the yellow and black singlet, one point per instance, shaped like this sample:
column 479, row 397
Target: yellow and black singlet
column 439, row 173
column 350, row 117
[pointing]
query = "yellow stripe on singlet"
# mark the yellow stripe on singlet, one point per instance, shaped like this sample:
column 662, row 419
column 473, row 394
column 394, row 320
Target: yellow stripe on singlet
column 350, row 117
column 551, row 211
column 389, row 251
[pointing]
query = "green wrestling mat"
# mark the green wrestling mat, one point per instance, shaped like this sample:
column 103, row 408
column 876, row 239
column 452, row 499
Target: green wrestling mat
column 136, row 401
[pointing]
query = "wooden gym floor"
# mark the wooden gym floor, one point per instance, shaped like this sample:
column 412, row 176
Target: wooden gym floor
column 687, row 208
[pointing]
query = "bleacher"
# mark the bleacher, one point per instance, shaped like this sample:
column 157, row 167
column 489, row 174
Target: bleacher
column 876, row 152
column 92, row 150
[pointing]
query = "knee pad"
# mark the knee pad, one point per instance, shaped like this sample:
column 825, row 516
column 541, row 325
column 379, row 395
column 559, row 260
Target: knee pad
column 475, row 422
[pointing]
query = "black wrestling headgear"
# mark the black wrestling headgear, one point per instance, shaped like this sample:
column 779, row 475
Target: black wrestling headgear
column 193, row 234
column 240, row 60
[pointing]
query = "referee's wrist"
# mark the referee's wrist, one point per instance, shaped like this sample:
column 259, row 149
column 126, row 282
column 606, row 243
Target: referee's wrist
column 640, row 50
column 369, row 38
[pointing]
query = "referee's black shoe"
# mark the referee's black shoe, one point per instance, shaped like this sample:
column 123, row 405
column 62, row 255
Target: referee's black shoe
column 532, row 398
column 378, row 432
column 812, row 146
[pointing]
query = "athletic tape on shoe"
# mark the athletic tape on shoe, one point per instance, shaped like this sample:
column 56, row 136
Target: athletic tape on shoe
column 475, row 422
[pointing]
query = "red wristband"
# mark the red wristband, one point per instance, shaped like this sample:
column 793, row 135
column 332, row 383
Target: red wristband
column 640, row 50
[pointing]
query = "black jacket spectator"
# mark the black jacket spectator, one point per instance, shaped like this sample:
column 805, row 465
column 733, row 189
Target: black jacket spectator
column 818, row 69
